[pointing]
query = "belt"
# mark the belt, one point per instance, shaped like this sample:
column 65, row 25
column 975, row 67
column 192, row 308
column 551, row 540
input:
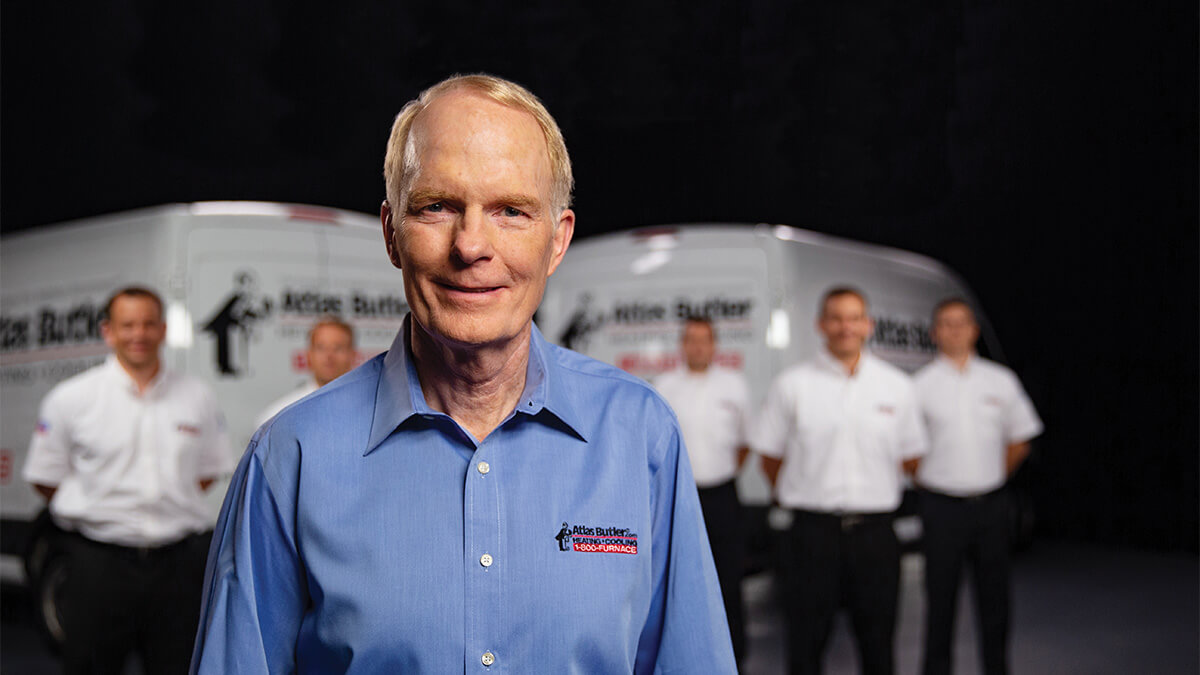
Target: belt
column 965, row 499
column 846, row 520
column 140, row 552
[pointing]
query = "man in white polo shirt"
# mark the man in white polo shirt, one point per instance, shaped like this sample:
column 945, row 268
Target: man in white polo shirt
column 330, row 355
column 836, row 435
column 980, row 422
column 124, row 452
column 713, row 405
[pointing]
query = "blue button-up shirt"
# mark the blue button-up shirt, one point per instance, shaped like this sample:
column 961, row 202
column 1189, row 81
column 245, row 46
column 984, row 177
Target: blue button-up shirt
column 366, row 532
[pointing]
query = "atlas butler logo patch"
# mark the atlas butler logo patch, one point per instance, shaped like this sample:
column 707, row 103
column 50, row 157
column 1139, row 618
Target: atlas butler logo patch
column 600, row 539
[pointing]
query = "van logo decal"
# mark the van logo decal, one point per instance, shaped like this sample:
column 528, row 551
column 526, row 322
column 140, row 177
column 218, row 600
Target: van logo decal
column 233, row 323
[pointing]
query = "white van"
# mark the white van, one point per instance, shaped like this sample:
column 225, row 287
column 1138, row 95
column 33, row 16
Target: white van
column 242, row 283
column 621, row 298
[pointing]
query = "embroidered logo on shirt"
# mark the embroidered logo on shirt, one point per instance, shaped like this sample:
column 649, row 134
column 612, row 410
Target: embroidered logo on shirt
column 993, row 400
column 42, row 427
column 188, row 429
column 599, row 539
column 887, row 409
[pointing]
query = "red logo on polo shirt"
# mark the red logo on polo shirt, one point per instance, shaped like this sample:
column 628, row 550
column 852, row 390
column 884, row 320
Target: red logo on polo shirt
column 599, row 539
column 188, row 429
column 887, row 409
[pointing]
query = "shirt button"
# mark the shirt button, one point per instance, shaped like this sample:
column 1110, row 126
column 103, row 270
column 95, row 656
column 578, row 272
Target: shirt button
column 488, row 658
column 483, row 467
column 485, row 560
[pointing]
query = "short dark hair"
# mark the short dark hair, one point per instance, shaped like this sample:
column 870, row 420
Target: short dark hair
column 950, row 302
column 132, row 292
column 701, row 320
column 334, row 321
column 839, row 291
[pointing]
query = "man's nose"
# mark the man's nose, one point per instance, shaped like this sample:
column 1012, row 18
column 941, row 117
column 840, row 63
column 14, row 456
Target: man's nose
column 472, row 236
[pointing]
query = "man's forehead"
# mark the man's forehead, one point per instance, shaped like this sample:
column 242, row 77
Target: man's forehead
column 464, row 115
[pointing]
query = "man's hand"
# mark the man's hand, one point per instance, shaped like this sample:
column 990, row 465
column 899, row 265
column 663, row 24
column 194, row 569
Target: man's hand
column 1014, row 455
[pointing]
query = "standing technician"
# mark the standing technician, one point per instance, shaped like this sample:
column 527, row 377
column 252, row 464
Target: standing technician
column 980, row 423
column 836, row 434
column 124, row 452
column 713, row 406
column 330, row 355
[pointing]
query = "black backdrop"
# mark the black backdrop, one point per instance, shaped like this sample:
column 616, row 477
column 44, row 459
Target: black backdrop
column 1045, row 150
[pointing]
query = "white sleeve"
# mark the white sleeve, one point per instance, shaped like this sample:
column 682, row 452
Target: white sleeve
column 914, row 441
column 49, row 459
column 216, row 458
column 1021, row 421
column 775, row 421
column 741, row 397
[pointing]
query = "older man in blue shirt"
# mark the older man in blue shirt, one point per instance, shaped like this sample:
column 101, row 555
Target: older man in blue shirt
column 476, row 499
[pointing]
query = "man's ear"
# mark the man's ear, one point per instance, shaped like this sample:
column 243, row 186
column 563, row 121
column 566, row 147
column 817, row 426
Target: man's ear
column 561, row 238
column 386, row 218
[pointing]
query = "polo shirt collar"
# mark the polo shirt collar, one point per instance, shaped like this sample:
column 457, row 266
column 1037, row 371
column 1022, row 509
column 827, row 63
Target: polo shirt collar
column 830, row 362
column 945, row 362
column 398, row 396
column 123, row 379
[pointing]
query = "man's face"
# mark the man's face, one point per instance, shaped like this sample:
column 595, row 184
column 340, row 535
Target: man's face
column 955, row 330
column 845, row 325
column 330, row 353
column 699, row 346
column 135, row 331
column 478, row 239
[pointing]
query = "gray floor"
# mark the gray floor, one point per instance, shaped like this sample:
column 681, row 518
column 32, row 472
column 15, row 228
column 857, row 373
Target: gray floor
column 1077, row 609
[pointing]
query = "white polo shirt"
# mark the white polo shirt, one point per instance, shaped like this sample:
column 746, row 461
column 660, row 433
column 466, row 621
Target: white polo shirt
column 972, row 416
column 842, row 438
column 284, row 401
column 127, row 466
column 713, row 408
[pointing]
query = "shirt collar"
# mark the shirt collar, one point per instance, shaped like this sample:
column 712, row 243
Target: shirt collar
column 947, row 363
column 830, row 362
column 119, row 375
column 398, row 396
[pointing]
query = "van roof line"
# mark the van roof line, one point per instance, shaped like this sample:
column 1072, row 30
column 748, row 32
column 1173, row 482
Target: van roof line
column 799, row 235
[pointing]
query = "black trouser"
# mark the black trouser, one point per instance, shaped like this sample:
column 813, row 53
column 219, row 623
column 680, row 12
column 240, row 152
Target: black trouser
column 835, row 560
column 117, row 599
column 971, row 530
column 726, row 536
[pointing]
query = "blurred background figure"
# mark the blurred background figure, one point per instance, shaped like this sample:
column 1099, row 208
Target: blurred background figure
column 836, row 434
column 330, row 355
column 123, row 453
column 712, row 404
column 980, row 422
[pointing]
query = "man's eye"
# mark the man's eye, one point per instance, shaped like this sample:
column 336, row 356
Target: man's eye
column 511, row 212
column 436, row 207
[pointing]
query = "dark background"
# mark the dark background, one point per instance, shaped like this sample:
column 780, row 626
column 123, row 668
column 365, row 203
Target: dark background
column 1045, row 150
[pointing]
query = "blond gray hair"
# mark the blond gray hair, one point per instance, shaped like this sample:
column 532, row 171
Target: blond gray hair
column 400, row 163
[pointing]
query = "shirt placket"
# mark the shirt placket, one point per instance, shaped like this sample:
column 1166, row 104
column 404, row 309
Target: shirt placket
column 483, row 561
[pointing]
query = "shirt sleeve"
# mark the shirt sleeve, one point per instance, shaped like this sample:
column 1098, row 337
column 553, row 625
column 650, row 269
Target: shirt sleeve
column 49, row 459
column 686, row 630
column 741, row 397
column 1021, row 421
column 914, row 441
column 217, row 454
column 775, row 422
column 254, row 588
